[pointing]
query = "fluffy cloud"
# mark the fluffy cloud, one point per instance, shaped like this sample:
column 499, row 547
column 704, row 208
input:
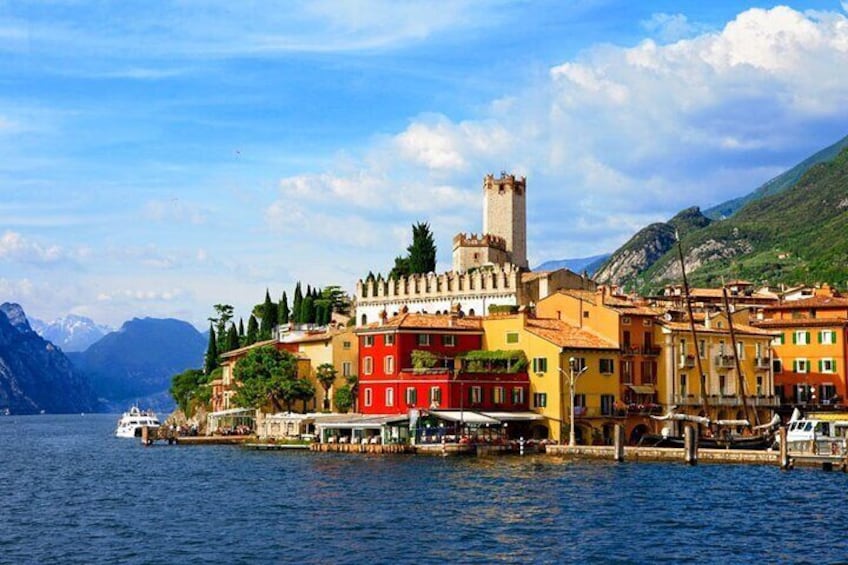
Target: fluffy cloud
column 16, row 247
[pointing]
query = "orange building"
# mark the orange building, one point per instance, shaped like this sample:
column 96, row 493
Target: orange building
column 811, row 351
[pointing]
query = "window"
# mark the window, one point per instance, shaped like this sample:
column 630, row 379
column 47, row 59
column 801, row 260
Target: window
column 646, row 322
column 435, row 395
column 346, row 369
column 389, row 339
column 518, row 395
column 368, row 341
column 512, row 337
column 826, row 393
column 423, row 340
column 802, row 392
column 498, row 395
column 683, row 384
column 779, row 340
column 722, row 384
column 579, row 363
column 367, row 365
column 411, row 396
column 702, row 347
column 625, row 320
column 801, row 337
column 540, row 364
column 540, row 400
column 801, row 366
column 368, row 395
column 626, row 338
column 777, row 366
column 346, row 345
column 449, row 340
column 740, row 350
column 627, row 372
column 585, row 313
column 475, row 395
column 580, row 400
column 389, row 365
column 649, row 372
column 759, row 385
column 607, row 403
column 390, row 397
column 827, row 337
column 607, row 366
column 827, row 365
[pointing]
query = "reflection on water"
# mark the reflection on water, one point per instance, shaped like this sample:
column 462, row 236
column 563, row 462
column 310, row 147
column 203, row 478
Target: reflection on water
column 73, row 493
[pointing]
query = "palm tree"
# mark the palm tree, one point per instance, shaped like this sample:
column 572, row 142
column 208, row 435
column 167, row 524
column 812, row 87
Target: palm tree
column 326, row 375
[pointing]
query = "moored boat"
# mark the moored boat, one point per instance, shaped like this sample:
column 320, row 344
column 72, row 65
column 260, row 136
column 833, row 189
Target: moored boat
column 132, row 421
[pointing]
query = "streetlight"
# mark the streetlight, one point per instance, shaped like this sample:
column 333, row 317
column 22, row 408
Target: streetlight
column 572, row 379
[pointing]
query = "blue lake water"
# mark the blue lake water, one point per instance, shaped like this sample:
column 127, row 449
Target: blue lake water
column 72, row 493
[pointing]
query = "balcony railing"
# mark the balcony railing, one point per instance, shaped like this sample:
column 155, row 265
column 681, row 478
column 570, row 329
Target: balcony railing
column 763, row 363
column 725, row 361
column 727, row 400
column 687, row 400
column 687, row 361
column 651, row 350
column 629, row 350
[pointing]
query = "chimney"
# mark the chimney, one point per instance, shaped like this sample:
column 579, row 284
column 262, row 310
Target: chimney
column 601, row 294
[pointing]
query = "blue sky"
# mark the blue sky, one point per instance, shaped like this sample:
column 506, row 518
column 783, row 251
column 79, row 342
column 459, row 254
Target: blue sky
column 158, row 158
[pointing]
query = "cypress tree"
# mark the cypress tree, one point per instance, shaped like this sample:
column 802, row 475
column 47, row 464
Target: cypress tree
column 320, row 310
column 211, row 361
column 241, row 328
column 307, row 310
column 422, row 252
column 232, row 338
column 283, row 310
column 296, row 305
column 252, row 330
column 269, row 317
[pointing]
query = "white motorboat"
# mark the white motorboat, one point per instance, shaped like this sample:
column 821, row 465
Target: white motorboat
column 131, row 422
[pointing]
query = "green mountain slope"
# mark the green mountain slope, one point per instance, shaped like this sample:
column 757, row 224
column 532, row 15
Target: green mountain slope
column 796, row 236
column 778, row 184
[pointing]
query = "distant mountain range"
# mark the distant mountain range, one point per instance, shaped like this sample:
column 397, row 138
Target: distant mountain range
column 35, row 375
column 786, row 231
column 588, row 264
column 136, row 363
column 71, row 333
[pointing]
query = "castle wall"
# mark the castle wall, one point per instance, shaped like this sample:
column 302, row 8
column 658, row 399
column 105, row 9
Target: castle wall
column 466, row 258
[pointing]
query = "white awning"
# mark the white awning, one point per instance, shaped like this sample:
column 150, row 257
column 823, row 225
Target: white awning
column 514, row 416
column 465, row 416
column 232, row 412
column 642, row 389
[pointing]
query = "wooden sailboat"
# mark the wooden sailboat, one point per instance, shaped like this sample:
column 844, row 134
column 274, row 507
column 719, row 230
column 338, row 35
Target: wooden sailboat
column 721, row 437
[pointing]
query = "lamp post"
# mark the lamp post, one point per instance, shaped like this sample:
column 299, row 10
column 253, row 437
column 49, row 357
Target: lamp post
column 572, row 380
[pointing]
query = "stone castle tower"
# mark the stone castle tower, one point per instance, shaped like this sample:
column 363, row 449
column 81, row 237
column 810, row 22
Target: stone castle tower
column 504, row 237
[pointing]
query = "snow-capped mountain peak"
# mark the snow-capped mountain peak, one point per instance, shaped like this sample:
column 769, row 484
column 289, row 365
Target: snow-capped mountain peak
column 71, row 332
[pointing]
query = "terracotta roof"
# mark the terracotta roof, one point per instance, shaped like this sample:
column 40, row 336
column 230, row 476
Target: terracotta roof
column 617, row 303
column 425, row 321
column 802, row 323
column 565, row 335
column 813, row 302
column 243, row 350
column 701, row 329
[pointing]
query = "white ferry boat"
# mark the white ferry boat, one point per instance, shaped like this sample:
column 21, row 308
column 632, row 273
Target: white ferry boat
column 131, row 422
column 817, row 436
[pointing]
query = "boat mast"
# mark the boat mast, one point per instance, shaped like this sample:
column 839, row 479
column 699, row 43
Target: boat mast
column 739, row 375
column 703, row 377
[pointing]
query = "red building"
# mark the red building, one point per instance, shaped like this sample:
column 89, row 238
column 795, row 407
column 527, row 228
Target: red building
column 390, row 383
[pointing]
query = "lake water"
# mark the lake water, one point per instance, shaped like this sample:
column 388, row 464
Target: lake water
column 72, row 493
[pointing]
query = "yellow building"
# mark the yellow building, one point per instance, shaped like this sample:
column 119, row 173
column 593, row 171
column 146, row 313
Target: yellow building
column 718, row 393
column 549, row 344
column 339, row 348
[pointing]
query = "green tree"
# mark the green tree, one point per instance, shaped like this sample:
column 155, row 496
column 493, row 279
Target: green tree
column 283, row 310
column 232, row 338
column 224, row 313
column 297, row 303
column 241, row 329
column 422, row 252
column 269, row 317
column 268, row 378
column 307, row 311
column 188, row 388
column 325, row 374
column 353, row 385
column 252, row 330
column 401, row 268
column 211, row 360
column 343, row 399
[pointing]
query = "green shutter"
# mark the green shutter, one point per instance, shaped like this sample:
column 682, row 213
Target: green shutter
column 794, row 365
column 820, row 336
column 807, row 336
column 821, row 363
column 794, row 338
column 833, row 337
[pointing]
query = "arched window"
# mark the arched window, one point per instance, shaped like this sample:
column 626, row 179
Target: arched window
column 364, row 320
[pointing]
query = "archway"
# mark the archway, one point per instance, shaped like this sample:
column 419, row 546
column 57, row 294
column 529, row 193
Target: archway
column 364, row 320
column 471, row 311
column 637, row 433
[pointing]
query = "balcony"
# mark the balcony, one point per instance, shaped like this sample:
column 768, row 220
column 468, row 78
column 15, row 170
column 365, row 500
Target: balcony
column 763, row 362
column 724, row 361
column 686, row 361
column 651, row 351
column 629, row 350
column 687, row 400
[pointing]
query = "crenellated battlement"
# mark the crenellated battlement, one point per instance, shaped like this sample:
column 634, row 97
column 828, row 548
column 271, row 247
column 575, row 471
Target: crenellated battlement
column 474, row 240
column 505, row 183
column 498, row 278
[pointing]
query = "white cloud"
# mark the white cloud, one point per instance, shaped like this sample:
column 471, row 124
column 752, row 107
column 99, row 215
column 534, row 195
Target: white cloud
column 175, row 210
column 142, row 295
column 613, row 139
column 16, row 247
column 671, row 27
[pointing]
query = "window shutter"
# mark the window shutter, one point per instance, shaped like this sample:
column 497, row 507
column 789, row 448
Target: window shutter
column 833, row 337
column 820, row 336
column 794, row 365
column 821, row 363
column 806, row 337
column 794, row 338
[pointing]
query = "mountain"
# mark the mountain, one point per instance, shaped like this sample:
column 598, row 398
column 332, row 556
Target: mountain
column 71, row 333
column 588, row 264
column 136, row 363
column 779, row 183
column 625, row 266
column 799, row 235
column 35, row 375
